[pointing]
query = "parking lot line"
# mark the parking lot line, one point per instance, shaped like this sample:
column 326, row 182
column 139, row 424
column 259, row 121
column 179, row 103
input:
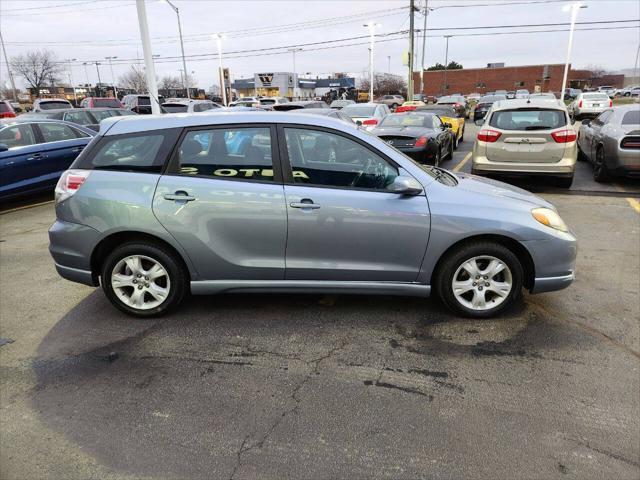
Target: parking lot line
column 25, row 207
column 635, row 204
column 462, row 162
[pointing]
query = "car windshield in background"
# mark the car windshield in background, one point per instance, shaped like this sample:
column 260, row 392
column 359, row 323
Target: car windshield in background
column 175, row 107
column 491, row 98
column 631, row 118
column 357, row 111
column 80, row 117
column 53, row 105
column 106, row 102
column 267, row 101
column 534, row 119
column 407, row 120
column 596, row 96
column 144, row 101
column 450, row 99
column 443, row 112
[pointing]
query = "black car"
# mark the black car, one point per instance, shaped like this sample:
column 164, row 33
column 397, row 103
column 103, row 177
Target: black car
column 298, row 105
column 421, row 135
column 87, row 117
column 458, row 102
column 327, row 112
column 484, row 104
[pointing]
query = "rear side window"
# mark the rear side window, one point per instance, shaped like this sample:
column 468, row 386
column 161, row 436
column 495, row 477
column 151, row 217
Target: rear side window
column 139, row 152
column 17, row 136
column 227, row 154
column 631, row 118
column 534, row 119
column 57, row 132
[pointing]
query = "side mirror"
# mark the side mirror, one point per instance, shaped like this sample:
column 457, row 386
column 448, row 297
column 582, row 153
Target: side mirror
column 480, row 121
column 584, row 122
column 405, row 185
column 4, row 147
column 446, row 125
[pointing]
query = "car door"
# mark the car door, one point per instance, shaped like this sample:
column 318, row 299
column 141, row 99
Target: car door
column 20, row 163
column 61, row 144
column 344, row 225
column 226, row 207
column 595, row 131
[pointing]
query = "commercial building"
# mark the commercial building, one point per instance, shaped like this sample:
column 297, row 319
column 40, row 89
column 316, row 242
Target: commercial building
column 496, row 76
column 290, row 85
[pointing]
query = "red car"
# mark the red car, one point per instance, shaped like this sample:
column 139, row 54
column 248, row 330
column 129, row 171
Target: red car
column 101, row 102
column 410, row 106
column 6, row 110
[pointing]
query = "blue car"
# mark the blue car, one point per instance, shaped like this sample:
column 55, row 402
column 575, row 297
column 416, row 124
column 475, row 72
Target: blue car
column 35, row 152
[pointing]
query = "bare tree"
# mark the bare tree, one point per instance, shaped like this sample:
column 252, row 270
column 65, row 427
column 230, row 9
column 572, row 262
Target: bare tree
column 38, row 68
column 135, row 79
column 385, row 84
column 168, row 82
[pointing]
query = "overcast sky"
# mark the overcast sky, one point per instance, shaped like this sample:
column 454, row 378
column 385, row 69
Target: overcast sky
column 91, row 30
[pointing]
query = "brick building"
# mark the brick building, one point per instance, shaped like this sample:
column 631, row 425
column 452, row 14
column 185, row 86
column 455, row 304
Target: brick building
column 542, row 78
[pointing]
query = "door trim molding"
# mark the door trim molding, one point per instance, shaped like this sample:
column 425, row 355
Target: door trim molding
column 205, row 287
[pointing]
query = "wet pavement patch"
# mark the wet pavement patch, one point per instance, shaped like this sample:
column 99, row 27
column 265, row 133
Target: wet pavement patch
column 5, row 341
column 377, row 383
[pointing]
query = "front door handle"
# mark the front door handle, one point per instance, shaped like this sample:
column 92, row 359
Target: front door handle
column 77, row 149
column 37, row 156
column 305, row 203
column 179, row 196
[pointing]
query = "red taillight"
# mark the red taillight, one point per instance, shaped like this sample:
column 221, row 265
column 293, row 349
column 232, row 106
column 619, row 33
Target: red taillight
column 421, row 142
column 580, row 104
column 611, row 103
column 488, row 136
column 630, row 142
column 7, row 115
column 69, row 183
column 564, row 136
column 406, row 108
column 371, row 121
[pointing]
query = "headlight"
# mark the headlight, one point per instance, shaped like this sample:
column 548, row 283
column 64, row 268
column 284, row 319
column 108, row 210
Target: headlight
column 550, row 218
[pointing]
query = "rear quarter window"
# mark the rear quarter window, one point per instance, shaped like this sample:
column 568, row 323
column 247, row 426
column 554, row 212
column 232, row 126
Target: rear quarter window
column 631, row 118
column 139, row 152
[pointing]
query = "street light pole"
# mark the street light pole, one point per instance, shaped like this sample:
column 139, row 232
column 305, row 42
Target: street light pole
column 218, row 37
column 99, row 81
column 150, row 70
column 424, row 44
column 113, row 78
column 295, row 75
column 372, row 31
column 445, row 87
column 185, row 82
column 574, row 7
column 75, row 96
column 86, row 72
column 6, row 59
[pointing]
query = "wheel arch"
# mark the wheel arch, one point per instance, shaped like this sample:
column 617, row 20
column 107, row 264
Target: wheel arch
column 515, row 246
column 108, row 243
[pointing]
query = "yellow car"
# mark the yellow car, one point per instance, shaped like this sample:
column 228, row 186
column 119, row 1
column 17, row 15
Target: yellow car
column 448, row 115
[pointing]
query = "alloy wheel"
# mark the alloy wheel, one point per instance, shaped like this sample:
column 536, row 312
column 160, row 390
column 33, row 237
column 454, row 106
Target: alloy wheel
column 140, row 282
column 482, row 283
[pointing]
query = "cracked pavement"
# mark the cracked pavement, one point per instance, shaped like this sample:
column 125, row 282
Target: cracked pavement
column 306, row 387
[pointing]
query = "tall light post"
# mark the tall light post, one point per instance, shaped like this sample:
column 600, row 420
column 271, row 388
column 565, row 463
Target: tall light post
column 372, row 32
column 86, row 72
column 113, row 78
column 218, row 38
column 574, row 7
column 6, row 59
column 424, row 44
column 70, row 73
column 150, row 70
column 295, row 75
column 99, row 81
column 445, row 87
column 184, row 63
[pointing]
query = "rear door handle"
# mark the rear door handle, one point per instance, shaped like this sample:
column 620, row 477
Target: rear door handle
column 305, row 203
column 179, row 196
column 77, row 149
column 37, row 156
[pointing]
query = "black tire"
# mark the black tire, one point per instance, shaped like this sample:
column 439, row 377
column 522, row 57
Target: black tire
column 451, row 148
column 600, row 172
column 394, row 106
column 177, row 276
column 454, row 259
column 564, row 182
column 461, row 136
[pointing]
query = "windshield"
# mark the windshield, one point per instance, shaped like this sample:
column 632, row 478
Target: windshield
column 267, row 101
column 595, row 96
column 175, row 107
column 529, row 119
column 450, row 99
column 54, row 105
column 407, row 120
column 631, row 118
column 106, row 102
column 358, row 111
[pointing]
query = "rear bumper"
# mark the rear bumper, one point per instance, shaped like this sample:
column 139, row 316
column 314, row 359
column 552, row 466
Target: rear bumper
column 76, row 275
column 71, row 246
column 563, row 168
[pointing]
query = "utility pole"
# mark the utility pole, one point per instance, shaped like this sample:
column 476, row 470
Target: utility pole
column 148, row 57
column 218, row 38
column 69, row 60
column 372, row 32
column 86, row 72
column 389, row 60
column 295, row 75
column 6, row 59
column 185, row 82
column 445, row 87
column 412, row 9
column 113, row 78
column 99, row 81
column 574, row 7
column 424, row 42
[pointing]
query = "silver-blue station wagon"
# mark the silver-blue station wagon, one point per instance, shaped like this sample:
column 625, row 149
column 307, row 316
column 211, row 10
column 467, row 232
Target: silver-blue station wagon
column 159, row 206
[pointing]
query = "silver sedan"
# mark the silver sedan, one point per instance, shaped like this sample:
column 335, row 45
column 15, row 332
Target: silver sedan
column 589, row 104
column 611, row 142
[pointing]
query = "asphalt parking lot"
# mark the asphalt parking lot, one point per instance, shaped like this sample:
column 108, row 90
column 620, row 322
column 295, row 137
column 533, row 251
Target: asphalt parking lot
column 280, row 386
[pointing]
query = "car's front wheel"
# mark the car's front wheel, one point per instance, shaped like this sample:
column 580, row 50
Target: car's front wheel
column 143, row 280
column 479, row 279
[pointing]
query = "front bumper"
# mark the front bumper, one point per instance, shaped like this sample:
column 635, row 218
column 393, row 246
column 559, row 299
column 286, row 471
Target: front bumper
column 554, row 261
column 71, row 246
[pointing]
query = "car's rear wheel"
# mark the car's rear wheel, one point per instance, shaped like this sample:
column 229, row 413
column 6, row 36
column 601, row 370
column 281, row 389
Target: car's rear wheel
column 461, row 136
column 600, row 172
column 479, row 279
column 143, row 280
column 451, row 147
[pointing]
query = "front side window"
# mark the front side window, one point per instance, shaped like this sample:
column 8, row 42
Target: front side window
column 533, row 119
column 57, row 132
column 326, row 159
column 17, row 136
column 233, row 154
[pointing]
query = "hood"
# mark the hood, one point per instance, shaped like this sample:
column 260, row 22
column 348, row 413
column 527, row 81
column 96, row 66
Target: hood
column 404, row 130
column 497, row 189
